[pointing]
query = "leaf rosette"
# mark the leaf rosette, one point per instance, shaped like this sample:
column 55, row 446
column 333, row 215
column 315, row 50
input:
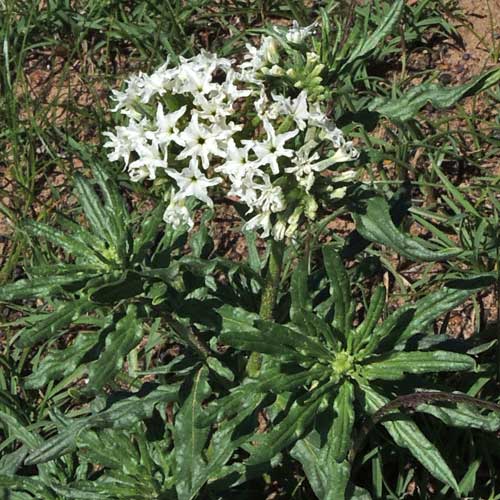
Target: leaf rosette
column 323, row 366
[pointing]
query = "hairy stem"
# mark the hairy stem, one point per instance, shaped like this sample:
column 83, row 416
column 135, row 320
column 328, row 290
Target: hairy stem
column 268, row 298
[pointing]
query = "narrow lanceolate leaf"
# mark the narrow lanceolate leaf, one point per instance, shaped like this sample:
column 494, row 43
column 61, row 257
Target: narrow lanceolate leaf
column 394, row 366
column 53, row 324
column 237, row 319
column 190, row 440
column 58, row 364
column 44, row 286
column 431, row 307
column 375, row 224
column 291, row 428
column 465, row 416
column 328, row 479
column 407, row 435
column 339, row 437
column 93, row 208
column 243, row 397
column 377, row 37
column 120, row 415
column 60, row 444
column 114, row 204
column 373, row 314
column 275, row 339
column 60, row 239
column 316, row 327
column 408, row 105
column 340, row 289
column 412, row 319
column 299, row 291
column 124, row 413
column 126, row 335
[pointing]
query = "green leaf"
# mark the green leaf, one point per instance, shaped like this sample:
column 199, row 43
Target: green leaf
column 407, row 435
column 114, row 206
column 410, row 320
column 121, row 414
column 93, row 208
column 62, row 240
column 190, row 440
column 253, row 253
column 328, row 478
column 468, row 482
column 376, row 225
column 60, row 444
column 340, row 289
column 464, row 415
column 377, row 37
column 126, row 412
column 127, row 286
column 44, row 287
column 291, row 428
column 243, row 397
column 60, row 363
column 52, row 324
column 375, row 310
column 237, row 319
column 407, row 106
column 126, row 335
column 431, row 307
column 221, row 370
column 394, row 366
column 316, row 327
column 339, row 436
column 276, row 339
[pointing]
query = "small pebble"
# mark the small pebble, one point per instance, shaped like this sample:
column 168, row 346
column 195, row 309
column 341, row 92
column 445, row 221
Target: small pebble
column 466, row 56
column 445, row 78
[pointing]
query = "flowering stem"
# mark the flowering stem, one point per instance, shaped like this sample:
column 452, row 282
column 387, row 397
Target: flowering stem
column 270, row 291
column 268, row 299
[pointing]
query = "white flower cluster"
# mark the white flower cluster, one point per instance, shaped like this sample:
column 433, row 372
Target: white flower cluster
column 209, row 122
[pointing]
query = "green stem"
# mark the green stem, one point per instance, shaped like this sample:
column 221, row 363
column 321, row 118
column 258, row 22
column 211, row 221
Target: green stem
column 270, row 292
column 268, row 298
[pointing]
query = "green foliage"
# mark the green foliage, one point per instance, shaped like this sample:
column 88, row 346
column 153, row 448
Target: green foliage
column 125, row 372
column 322, row 365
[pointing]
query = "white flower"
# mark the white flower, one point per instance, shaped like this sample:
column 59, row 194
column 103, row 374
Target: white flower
column 158, row 82
column 199, row 141
column 230, row 91
column 193, row 81
column 213, row 109
column 167, row 130
column 259, row 221
column 120, row 143
column 192, row 182
column 147, row 163
column 135, row 133
column 125, row 100
column 296, row 108
column 176, row 214
column 237, row 163
column 271, row 199
column 257, row 58
column 270, row 150
column 296, row 34
column 304, row 166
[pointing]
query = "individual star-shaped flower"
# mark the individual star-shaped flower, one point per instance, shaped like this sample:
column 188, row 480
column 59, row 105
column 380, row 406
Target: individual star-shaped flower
column 270, row 150
column 167, row 130
column 199, row 141
column 192, row 182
